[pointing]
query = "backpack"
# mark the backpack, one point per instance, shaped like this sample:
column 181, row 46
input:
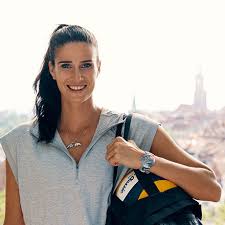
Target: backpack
column 145, row 199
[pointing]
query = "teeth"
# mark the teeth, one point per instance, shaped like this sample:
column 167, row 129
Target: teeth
column 76, row 87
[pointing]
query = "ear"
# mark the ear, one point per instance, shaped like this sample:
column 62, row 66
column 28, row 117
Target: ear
column 99, row 66
column 51, row 70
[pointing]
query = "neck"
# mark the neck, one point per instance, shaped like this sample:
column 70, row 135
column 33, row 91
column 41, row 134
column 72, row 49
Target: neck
column 78, row 116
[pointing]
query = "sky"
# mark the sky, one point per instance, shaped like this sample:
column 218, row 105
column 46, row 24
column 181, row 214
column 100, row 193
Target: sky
column 149, row 49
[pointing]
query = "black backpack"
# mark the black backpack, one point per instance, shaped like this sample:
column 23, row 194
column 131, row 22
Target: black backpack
column 150, row 200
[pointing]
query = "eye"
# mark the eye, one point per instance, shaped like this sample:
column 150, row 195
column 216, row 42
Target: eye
column 86, row 65
column 66, row 66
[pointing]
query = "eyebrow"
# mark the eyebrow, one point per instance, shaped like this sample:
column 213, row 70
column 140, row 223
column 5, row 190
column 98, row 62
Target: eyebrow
column 71, row 61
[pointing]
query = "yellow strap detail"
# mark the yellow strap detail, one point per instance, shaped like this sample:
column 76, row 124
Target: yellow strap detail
column 164, row 185
column 143, row 194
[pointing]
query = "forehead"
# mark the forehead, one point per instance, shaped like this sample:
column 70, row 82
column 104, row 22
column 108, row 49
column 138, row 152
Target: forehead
column 76, row 51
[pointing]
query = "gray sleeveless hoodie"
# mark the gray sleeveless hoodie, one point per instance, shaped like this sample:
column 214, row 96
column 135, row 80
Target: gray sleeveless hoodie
column 53, row 189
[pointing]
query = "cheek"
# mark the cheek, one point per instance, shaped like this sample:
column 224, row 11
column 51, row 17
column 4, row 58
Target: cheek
column 95, row 72
column 61, row 76
column 60, row 80
column 92, row 78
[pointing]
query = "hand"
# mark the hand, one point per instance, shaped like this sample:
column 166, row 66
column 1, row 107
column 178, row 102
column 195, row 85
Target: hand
column 122, row 152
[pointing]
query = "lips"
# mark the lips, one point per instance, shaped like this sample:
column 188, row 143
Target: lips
column 76, row 88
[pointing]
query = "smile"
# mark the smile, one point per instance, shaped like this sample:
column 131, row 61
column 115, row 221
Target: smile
column 76, row 87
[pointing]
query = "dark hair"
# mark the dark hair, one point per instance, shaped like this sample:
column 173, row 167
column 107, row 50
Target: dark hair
column 47, row 107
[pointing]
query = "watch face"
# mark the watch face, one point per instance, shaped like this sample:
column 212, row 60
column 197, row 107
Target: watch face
column 148, row 164
column 148, row 161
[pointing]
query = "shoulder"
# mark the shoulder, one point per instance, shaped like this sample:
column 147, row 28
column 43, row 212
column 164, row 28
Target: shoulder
column 11, row 142
column 111, row 112
column 17, row 132
column 143, row 130
column 141, row 120
column 110, row 118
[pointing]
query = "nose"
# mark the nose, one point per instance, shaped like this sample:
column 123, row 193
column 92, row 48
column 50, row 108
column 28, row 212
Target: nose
column 77, row 74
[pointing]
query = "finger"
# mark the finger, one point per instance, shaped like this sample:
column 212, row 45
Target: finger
column 113, row 161
column 120, row 139
column 132, row 142
column 109, row 155
column 112, row 142
column 111, row 145
column 109, row 148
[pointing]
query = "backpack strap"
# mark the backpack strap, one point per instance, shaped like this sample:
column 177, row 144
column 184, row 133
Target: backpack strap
column 127, row 127
column 119, row 133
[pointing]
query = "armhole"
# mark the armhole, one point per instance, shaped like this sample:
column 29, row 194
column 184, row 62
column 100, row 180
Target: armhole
column 10, row 158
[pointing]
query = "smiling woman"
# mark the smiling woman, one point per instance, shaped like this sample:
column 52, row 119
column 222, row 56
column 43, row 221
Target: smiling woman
column 75, row 77
column 60, row 165
column 73, row 62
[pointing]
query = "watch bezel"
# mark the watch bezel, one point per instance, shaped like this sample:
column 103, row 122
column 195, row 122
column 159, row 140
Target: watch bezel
column 147, row 160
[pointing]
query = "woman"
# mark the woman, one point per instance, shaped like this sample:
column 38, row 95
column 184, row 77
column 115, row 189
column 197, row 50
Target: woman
column 60, row 166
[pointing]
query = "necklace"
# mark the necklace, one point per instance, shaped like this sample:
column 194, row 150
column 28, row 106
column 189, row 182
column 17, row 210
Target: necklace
column 75, row 143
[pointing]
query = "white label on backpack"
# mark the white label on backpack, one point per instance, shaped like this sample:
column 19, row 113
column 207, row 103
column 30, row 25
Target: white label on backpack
column 126, row 184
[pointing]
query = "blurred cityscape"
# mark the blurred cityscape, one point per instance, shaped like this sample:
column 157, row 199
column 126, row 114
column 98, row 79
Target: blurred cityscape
column 201, row 132
column 195, row 128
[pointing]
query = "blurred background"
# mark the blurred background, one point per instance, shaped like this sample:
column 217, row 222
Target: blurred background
column 161, row 58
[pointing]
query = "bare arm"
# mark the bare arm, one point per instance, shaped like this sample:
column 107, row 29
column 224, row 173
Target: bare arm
column 176, row 165
column 13, row 211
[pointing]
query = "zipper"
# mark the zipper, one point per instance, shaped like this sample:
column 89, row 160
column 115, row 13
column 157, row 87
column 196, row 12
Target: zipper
column 99, row 136
column 77, row 168
column 88, row 150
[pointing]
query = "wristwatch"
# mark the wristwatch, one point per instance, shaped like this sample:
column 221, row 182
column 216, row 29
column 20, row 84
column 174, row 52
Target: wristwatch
column 147, row 161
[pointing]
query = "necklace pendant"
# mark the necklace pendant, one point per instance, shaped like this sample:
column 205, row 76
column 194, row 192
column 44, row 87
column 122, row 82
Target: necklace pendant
column 73, row 144
column 77, row 144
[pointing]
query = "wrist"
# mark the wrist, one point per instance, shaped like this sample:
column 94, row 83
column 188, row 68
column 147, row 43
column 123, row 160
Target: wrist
column 147, row 161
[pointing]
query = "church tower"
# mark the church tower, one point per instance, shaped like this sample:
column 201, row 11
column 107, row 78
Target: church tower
column 134, row 108
column 200, row 95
